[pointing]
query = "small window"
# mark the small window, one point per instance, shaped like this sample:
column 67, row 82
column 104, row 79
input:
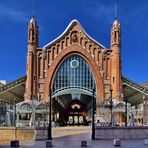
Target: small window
column 33, row 35
column 115, row 36
column 113, row 79
column 34, row 77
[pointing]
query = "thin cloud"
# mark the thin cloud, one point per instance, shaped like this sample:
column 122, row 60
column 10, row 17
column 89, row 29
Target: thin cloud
column 98, row 10
column 136, row 15
column 12, row 14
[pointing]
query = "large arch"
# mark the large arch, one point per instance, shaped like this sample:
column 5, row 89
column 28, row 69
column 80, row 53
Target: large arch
column 74, row 49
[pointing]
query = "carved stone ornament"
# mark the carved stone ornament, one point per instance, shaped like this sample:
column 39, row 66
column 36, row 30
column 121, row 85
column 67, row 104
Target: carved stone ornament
column 44, row 54
column 74, row 37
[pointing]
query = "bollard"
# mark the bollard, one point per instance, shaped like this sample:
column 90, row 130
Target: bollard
column 49, row 143
column 14, row 143
column 83, row 143
column 117, row 142
column 146, row 141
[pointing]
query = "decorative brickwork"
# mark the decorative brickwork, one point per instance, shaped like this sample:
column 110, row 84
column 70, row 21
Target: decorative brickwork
column 42, row 63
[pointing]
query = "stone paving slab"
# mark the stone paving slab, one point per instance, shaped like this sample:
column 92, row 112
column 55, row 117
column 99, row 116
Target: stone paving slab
column 66, row 143
column 71, row 138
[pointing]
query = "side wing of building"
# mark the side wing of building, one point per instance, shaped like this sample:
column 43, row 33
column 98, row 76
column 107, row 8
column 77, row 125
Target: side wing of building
column 134, row 92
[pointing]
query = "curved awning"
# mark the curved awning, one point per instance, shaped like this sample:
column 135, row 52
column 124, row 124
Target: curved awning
column 15, row 89
column 71, row 91
column 134, row 93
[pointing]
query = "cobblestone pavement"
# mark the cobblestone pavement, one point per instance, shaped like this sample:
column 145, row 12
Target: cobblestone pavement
column 70, row 137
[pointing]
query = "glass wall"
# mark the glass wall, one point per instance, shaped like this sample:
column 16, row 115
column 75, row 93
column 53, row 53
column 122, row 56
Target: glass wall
column 6, row 114
column 74, row 72
column 3, row 110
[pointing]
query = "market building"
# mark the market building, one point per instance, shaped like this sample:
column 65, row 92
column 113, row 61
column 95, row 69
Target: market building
column 69, row 69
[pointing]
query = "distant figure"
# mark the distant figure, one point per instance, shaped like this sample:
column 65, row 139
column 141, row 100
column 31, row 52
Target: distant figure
column 132, row 119
column 98, row 123
column 30, row 122
column 7, row 118
column 142, row 121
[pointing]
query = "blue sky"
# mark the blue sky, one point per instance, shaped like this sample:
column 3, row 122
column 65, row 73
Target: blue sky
column 96, row 17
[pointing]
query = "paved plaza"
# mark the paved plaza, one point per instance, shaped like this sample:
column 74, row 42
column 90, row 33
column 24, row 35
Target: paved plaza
column 70, row 137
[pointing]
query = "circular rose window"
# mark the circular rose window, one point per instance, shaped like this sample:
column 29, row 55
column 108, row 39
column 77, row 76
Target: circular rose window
column 74, row 64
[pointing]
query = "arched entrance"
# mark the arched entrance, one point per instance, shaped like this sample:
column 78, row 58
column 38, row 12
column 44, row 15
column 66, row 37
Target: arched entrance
column 95, row 69
column 72, row 92
column 76, row 113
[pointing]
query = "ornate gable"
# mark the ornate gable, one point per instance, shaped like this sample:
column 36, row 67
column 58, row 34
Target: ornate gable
column 74, row 33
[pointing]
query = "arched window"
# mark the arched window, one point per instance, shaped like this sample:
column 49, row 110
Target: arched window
column 41, row 106
column 26, row 106
column 74, row 72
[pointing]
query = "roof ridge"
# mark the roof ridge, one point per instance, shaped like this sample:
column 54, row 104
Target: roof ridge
column 67, row 28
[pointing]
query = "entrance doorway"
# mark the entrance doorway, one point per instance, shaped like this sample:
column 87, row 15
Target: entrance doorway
column 75, row 119
column 76, row 113
column 73, row 113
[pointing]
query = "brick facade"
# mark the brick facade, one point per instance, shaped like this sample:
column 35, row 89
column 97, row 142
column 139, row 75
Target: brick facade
column 42, row 63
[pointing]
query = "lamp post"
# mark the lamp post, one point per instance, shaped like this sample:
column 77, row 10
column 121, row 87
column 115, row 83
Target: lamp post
column 111, row 107
column 14, row 108
column 14, row 143
column 33, row 110
column 15, row 115
column 126, row 111
column 50, row 126
column 93, row 114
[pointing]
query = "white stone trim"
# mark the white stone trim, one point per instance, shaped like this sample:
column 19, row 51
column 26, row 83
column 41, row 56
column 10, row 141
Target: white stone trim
column 66, row 30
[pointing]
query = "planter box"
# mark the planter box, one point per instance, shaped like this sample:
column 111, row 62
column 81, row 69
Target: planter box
column 23, row 133
column 121, row 132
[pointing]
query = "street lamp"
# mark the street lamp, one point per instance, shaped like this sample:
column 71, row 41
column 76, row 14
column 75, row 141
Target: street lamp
column 126, row 111
column 111, row 107
column 93, row 114
column 33, row 110
column 14, row 143
column 50, row 126
column 14, row 101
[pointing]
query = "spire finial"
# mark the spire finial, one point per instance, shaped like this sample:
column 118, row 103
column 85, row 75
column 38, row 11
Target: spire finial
column 33, row 8
column 115, row 9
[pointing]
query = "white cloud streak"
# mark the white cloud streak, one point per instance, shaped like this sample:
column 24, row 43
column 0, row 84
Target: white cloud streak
column 12, row 14
column 99, row 10
column 138, row 13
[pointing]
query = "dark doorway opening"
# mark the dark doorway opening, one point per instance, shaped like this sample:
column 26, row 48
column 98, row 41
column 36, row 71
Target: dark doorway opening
column 76, row 113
